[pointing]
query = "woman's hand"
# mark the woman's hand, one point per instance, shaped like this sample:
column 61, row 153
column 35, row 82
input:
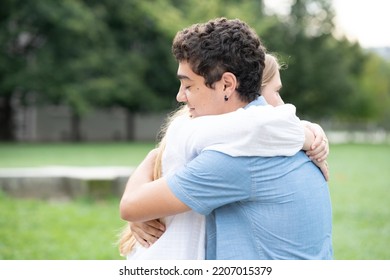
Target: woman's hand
column 319, row 150
column 146, row 233
column 324, row 167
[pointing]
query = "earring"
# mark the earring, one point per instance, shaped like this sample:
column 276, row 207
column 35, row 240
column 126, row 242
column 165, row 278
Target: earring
column 226, row 98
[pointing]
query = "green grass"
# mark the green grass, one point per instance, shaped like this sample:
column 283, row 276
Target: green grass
column 78, row 230
column 73, row 154
column 360, row 190
column 84, row 229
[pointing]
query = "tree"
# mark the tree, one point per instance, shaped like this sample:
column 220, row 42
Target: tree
column 44, row 45
column 88, row 54
column 322, row 71
column 82, row 54
column 372, row 99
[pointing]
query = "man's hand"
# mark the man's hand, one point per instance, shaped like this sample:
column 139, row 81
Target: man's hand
column 146, row 233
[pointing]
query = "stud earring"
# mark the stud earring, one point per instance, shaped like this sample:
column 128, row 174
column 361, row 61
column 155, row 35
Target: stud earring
column 226, row 98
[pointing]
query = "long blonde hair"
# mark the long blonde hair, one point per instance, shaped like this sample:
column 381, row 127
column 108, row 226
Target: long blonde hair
column 271, row 67
column 126, row 239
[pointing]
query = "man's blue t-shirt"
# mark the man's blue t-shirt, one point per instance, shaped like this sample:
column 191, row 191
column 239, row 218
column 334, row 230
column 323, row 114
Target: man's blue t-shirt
column 258, row 207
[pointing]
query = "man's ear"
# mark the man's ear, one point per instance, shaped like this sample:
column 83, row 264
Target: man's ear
column 229, row 81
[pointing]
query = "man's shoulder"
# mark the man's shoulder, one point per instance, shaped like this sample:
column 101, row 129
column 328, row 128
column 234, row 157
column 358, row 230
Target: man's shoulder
column 223, row 163
column 218, row 160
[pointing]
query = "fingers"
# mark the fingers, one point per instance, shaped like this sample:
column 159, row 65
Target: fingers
column 318, row 141
column 324, row 167
column 325, row 170
column 320, row 151
column 147, row 233
column 153, row 226
column 141, row 240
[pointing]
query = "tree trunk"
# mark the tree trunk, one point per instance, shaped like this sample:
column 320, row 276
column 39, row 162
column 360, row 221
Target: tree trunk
column 7, row 132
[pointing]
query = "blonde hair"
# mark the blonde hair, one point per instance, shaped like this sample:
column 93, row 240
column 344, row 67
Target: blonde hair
column 126, row 238
column 271, row 67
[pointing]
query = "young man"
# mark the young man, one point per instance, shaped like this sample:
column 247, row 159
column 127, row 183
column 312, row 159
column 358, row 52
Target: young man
column 255, row 207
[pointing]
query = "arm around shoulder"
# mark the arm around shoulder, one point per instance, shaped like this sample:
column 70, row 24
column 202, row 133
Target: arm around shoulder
column 145, row 199
column 149, row 201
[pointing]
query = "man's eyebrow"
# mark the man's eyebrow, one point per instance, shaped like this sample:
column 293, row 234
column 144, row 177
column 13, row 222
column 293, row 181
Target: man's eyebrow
column 183, row 77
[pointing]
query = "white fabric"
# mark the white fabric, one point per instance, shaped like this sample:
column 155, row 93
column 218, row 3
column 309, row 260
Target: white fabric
column 257, row 130
column 184, row 238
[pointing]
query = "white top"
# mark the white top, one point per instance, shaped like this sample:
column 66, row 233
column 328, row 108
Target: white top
column 255, row 131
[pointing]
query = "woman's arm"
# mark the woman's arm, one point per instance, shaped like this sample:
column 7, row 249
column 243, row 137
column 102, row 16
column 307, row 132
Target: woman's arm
column 319, row 149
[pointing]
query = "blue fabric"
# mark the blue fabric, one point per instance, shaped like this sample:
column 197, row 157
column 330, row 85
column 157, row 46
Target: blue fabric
column 258, row 207
column 258, row 101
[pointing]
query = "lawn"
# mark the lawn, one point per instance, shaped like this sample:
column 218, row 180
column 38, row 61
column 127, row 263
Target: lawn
column 83, row 229
column 86, row 229
column 73, row 154
column 360, row 190
column 78, row 230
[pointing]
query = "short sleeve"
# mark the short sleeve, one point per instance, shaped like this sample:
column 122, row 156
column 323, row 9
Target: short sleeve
column 211, row 180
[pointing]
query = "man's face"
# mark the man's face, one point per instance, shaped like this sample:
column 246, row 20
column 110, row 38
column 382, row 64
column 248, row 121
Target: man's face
column 200, row 99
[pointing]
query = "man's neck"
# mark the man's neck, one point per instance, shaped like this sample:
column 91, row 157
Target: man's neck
column 234, row 104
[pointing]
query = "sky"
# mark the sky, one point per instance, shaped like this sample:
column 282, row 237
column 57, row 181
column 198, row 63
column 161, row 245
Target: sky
column 365, row 21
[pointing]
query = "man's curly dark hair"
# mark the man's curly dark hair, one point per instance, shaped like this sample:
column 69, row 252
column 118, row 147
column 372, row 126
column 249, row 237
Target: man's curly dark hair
column 223, row 45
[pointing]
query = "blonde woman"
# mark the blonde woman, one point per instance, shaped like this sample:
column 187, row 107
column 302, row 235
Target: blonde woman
column 270, row 87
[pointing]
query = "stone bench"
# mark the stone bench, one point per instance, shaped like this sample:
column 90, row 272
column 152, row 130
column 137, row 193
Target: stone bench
column 63, row 182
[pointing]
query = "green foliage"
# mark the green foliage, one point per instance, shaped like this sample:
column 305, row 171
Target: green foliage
column 90, row 54
column 373, row 88
column 320, row 70
column 84, row 54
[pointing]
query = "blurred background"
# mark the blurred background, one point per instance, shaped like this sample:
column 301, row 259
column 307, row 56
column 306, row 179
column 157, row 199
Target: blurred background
column 87, row 84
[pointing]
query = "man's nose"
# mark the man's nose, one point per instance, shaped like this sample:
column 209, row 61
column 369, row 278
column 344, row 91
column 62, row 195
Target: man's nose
column 181, row 96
